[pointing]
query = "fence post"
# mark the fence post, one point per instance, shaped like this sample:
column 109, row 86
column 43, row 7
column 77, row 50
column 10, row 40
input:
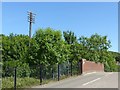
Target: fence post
column 58, row 72
column 67, row 70
column 40, row 74
column 52, row 73
column 15, row 78
column 71, row 68
column 79, row 68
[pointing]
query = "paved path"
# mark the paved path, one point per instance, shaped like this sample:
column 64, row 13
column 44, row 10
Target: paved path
column 90, row 80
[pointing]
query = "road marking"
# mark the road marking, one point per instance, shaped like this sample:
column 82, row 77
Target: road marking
column 89, row 73
column 91, row 81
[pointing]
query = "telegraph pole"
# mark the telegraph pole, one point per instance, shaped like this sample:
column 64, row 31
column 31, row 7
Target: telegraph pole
column 31, row 19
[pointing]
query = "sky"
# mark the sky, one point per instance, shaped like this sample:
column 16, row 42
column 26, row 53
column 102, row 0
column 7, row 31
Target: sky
column 83, row 18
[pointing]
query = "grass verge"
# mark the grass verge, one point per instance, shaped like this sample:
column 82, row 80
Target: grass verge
column 8, row 82
column 26, row 82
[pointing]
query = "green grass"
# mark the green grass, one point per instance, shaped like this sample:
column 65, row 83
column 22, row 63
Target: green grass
column 21, row 82
column 26, row 82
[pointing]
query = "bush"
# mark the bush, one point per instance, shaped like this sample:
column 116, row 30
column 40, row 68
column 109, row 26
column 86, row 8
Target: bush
column 110, row 66
column 22, row 69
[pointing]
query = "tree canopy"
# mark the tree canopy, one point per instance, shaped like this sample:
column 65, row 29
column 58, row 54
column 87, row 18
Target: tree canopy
column 49, row 48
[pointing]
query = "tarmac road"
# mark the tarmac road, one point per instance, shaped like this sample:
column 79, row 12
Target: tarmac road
column 89, row 80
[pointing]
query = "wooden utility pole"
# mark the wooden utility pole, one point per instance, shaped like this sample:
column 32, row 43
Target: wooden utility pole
column 31, row 19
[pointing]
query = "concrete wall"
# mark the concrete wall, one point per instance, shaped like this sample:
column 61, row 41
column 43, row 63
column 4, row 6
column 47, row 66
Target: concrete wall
column 90, row 66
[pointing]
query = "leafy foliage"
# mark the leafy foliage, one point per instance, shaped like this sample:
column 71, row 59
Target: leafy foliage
column 50, row 46
column 47, row 47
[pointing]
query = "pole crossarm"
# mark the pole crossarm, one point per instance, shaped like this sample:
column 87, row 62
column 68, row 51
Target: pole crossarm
column 31, row 19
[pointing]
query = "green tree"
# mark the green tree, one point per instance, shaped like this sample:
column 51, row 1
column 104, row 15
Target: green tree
column 94, row 47
column 14, row 50
column 50, row 46
column 71, row 39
